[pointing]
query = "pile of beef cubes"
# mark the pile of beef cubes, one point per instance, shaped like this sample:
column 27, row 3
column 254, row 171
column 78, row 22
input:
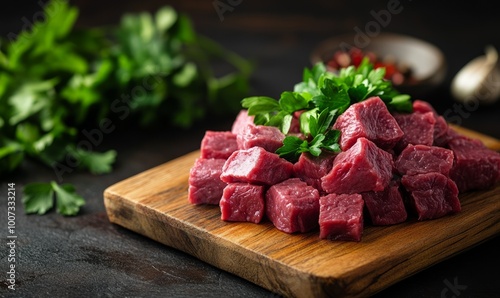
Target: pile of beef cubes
column 392, row 166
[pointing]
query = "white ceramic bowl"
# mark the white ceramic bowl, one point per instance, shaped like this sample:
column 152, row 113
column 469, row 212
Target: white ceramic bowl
column 427, row 62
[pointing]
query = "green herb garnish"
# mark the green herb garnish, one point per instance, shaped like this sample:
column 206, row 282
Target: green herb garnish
column 39, row 198
column 320, row 98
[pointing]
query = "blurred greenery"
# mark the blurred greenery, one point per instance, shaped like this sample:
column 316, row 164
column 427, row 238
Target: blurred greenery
column 150, row 69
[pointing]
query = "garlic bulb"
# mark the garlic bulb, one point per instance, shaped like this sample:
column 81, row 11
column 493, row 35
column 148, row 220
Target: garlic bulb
column 478, row 80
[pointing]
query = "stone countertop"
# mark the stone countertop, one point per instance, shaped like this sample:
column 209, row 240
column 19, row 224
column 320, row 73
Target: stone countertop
column 86, row 256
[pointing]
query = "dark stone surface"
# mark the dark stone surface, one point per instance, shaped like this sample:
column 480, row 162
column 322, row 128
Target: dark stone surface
column 86, row 256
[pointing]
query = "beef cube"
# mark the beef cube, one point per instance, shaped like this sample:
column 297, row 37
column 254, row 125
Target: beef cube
column 242, row 202
column 267, row 137
column 475, row 166
column 440, row 132
column 432, row 195
column 256, row 166
column 449, row 135
column 421, row 159
column 421, row 106
column 418, row 129
column 386, row 207
column 369, row 119
column 341, row 217
column 241, row 121
column 440, row 126
column 205, row 186
column 293, row 206
column 218, row 144
column 311, row 169
column 364, row 167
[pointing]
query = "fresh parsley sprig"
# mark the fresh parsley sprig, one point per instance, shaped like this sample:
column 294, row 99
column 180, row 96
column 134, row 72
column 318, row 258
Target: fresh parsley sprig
column 320, row 98
column 321, row 136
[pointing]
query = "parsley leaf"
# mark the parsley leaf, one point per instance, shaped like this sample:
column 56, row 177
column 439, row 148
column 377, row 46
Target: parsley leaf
column 292, row 148
column 292, row 101
column 318, row 127
column 260, row 105
column 39, row 198
column 68, row 202
column 97, row 162
column 332, row 97
column 11, row 155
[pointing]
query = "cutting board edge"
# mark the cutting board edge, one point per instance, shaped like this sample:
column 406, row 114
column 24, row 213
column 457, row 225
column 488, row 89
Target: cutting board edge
column 111, row 189
column 268, row 280
column 398, row 275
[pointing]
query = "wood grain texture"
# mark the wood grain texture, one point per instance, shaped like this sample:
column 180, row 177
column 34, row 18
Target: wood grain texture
column 154, row 203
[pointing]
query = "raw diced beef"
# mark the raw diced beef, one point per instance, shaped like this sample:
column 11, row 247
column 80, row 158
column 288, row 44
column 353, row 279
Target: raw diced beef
column 257, row 166
column 218, row 144
column 267, row 137
column 205, row 186
column 421, row 106
column 443, row 138
column 241, row 121
column 370, row 119
column 341, row 217
column 311, row 169
column 421, row 159
column 386, row 207
column 242, row 202
column 364, row 167
column 432, row 195
column 475, row 166
column 418, row 129
column 440, row 126
column 449, row 135
column 293, row 206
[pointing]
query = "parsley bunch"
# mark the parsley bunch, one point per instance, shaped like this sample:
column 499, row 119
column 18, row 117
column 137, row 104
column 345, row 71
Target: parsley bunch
column 319, row 99
column 57, row 82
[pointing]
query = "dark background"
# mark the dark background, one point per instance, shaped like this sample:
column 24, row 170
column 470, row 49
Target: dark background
column 87, row 256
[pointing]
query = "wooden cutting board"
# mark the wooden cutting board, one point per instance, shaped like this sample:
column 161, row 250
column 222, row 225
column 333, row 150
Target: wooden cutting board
column 154, row 203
